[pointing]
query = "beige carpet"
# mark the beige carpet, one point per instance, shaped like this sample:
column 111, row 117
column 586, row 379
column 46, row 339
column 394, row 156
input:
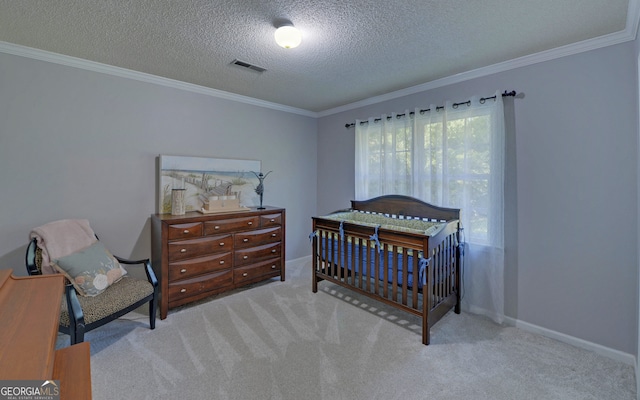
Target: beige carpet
column 278, row 340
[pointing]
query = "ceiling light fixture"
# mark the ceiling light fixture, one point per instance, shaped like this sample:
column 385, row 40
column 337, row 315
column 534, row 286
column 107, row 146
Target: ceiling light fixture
column 288, row 36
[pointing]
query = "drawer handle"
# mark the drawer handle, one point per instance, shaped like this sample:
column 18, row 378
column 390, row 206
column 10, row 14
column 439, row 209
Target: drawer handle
column 221, row 262
column 245, row 274
column 273, row 250
column 273, row 220
column 221, row 243
column 273, row 267
column 245, row 257
column 273, row 235
column 183, row 270
column 245, row 240
column 183, row 250
column 216, row 227
column 185, row 231
column 250, row 223
column 183, row 290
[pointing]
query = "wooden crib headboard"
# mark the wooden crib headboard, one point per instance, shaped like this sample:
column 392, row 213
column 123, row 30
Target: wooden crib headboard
column 400, row 205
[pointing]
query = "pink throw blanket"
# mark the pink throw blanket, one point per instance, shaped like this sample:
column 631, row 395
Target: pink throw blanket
column 61, row 238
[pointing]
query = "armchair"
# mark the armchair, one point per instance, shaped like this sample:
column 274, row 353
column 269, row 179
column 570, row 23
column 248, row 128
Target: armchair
column 83, row 313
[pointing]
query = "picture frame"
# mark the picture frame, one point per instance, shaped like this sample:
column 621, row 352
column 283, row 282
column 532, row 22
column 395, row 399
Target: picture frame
column 201, row 177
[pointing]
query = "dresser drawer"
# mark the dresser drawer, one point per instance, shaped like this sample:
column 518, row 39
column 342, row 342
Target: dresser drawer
column 184, row 249
column 231, row 225
column 256, row 254
column 203, row 283
column 254, row 238
column 199, row 266
column 270, row 267
column 270, row 220
column 184, row 231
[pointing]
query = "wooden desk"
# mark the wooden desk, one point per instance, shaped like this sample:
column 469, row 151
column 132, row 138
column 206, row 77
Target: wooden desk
column 29, row 318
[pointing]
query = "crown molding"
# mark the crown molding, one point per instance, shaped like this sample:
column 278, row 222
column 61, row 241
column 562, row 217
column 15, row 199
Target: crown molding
column 628, row 34
column 75, row 62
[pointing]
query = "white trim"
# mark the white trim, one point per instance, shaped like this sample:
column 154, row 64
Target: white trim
column 69, row 61
column 617, row 355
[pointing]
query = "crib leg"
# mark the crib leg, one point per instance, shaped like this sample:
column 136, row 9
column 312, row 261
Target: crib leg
column 314, row 280
column 426, row 334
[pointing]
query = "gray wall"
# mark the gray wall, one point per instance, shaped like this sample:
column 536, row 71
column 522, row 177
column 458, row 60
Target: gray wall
column 572, row 184
column 76, row 143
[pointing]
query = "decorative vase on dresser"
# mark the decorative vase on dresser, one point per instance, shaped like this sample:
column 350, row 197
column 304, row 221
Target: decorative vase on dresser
column 198, row 255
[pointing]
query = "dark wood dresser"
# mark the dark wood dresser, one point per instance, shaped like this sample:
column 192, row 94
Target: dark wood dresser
column 30, row 314
column 198, row 255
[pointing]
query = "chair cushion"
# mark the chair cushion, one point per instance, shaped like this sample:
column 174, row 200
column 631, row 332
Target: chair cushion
column 116, row 297
column 90, row 270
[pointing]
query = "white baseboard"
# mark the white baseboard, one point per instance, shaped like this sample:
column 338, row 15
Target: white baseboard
column 626, row 358
column 617, row 355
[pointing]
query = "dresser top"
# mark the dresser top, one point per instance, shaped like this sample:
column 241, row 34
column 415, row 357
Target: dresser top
column 195, row 215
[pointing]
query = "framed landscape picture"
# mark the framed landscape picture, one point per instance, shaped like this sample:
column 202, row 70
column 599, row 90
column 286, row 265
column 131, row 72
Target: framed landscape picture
column 202, row 177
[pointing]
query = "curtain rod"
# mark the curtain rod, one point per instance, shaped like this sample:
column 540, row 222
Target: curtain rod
column 454, row 105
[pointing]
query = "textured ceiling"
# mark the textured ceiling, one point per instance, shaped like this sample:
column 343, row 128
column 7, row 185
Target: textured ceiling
column 351, row 50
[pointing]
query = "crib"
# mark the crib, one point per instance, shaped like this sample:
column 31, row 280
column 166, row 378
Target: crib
column 395, row 249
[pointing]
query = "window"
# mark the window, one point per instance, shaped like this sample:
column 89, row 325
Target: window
column 450, row 156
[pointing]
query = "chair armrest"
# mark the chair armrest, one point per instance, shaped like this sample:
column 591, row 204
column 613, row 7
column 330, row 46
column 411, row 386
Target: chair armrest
column 151, row 276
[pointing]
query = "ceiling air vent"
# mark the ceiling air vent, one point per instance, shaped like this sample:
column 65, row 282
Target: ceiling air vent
column 246, row 65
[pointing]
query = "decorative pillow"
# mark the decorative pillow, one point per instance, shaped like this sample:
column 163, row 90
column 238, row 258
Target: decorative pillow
column 90, row 270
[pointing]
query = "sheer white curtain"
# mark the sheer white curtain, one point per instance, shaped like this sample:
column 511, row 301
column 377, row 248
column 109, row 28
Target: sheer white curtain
column 451, row 156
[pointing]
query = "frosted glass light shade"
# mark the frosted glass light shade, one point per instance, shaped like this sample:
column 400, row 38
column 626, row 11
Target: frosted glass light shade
column 288, row 37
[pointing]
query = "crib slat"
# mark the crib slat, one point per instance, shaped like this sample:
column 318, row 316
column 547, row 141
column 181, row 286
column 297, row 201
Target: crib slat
column 416, row 278
column 440, row 275
column 325, row 251
column 360, row 267
column 337, row 263
column 376, row 272
column 449, row 244
column 366, row 272
column 385, row 271
column 405, row 274
column 394, row 277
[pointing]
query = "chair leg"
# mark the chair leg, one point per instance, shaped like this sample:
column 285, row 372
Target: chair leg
column 153, row 308
column 79, row 333
column 72, row 335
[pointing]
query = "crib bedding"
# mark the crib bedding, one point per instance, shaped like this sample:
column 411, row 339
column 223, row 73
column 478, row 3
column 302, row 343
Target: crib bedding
column 382, row 221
